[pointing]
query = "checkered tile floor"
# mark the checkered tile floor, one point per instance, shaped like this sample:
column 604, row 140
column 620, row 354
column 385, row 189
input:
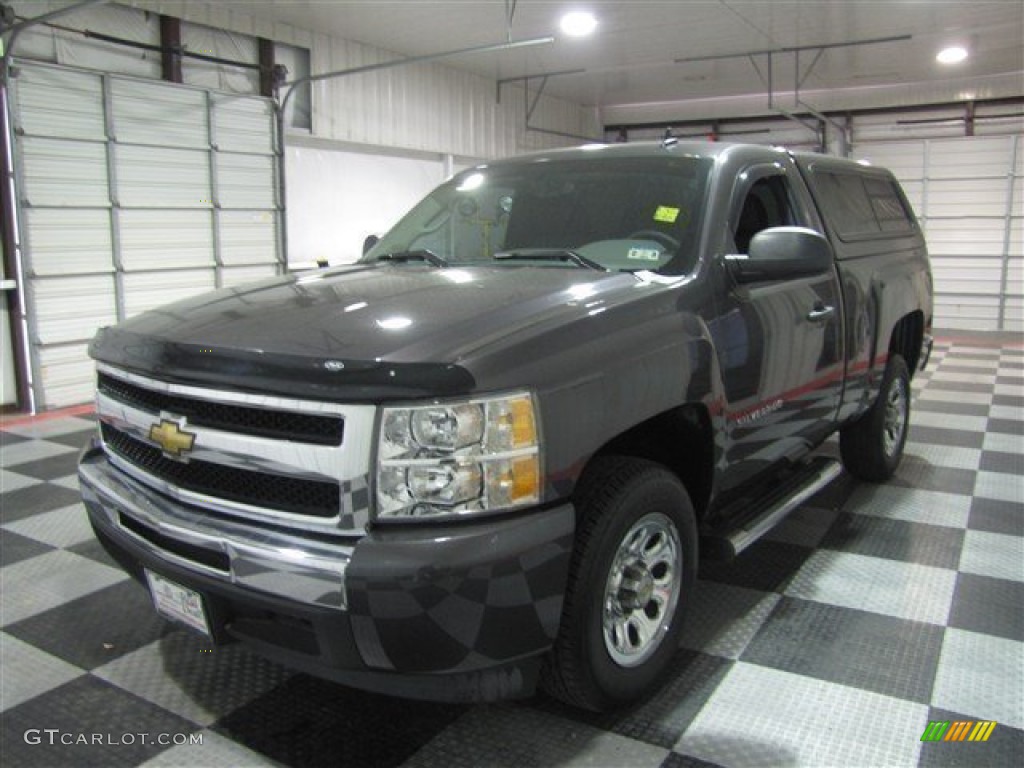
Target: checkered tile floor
column 868, row 613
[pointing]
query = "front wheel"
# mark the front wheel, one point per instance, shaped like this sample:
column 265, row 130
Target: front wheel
column 872, row 446
column 633, row 570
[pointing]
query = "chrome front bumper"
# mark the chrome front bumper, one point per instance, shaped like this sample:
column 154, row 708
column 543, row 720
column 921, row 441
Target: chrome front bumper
column 266, row 560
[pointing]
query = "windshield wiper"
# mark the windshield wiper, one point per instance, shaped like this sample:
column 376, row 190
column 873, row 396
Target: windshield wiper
column 549, row 254
column 421, row 254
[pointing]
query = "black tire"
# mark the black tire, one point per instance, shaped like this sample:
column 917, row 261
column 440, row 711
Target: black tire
column 623, row 500
column 872, row 446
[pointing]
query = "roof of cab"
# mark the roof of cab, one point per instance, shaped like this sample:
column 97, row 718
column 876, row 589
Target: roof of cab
column 664, row 148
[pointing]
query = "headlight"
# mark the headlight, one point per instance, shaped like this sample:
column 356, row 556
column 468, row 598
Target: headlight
column 458, row 458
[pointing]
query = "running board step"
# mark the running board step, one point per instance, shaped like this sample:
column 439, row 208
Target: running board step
column 726, row 545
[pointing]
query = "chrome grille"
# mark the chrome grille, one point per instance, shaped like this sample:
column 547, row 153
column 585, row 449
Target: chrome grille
column 261, row 489
column 301, row 464
column 286, row 425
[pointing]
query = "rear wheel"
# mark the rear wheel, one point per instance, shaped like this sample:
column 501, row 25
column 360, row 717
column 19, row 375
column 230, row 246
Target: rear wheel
column 872, row 446
column 634, row 567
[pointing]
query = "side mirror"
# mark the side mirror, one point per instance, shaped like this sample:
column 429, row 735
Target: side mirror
column 369, row 242
column 782, row 253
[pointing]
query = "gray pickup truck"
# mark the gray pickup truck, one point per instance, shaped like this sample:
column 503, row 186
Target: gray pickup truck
column 491, row 452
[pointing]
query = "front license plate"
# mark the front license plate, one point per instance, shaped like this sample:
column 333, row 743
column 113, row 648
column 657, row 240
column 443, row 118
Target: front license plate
column 178, row 603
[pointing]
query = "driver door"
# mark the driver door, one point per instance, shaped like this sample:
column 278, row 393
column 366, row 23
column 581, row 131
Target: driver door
column 779, row 343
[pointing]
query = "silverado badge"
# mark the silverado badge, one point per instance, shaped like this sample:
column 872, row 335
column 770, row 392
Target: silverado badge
column 172, row 438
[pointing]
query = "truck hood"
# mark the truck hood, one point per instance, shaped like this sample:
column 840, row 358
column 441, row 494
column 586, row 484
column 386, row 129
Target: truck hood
column 406, row 326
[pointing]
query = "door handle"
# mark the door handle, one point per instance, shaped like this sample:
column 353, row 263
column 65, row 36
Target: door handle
column 820, row 312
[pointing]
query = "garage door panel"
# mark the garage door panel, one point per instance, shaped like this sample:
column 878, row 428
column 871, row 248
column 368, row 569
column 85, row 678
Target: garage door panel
column 245, row 181
column 240, row 124
column 159, row 177
column 233, row 276
column 248, row 237
column 146, row 113
column 1014, row 314
column 64, row 242
column 966, row 197
column 979, row 237
column 947, row 269
column 979, row 157
column 70, row 309
column 68, row 375
column 64, row 173
column 914, row 191
column 152, row 214
column 904, row 159
column 79, row 95
column 967, row 312
column 1017, row 235
column 149, row 290
column 1015, row 276
column 162, row 239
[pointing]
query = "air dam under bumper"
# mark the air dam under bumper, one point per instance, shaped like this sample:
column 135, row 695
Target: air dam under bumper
column 457, row 613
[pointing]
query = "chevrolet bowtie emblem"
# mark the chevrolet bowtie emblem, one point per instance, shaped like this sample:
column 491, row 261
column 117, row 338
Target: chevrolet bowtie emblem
column 174, row 440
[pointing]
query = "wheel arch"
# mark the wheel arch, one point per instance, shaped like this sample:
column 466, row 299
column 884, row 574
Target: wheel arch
column 680, row 439
column 907, row 339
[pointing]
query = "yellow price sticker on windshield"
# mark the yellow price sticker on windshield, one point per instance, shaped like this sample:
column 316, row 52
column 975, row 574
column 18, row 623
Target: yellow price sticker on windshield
column 666, row 214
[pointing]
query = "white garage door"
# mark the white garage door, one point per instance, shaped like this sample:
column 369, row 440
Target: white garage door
column 968, row 194
column 131, row 194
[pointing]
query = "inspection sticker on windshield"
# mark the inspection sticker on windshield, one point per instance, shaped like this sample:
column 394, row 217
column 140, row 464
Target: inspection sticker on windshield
column 644, row 254
column 666, row 214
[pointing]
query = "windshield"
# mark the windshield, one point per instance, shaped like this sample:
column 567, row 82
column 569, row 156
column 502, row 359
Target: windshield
column 618, row 213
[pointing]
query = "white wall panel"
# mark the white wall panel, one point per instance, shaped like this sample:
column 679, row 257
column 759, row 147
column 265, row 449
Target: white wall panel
column 153, row 240
column 149, row 290
column 68, row 242
column 336, row 198
column 71, row 308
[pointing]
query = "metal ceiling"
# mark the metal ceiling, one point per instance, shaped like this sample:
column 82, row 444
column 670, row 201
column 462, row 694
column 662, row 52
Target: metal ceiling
column 632, row 59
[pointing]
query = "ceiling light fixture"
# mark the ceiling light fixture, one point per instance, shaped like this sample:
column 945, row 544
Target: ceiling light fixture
column 578, row 23
column 954, row 54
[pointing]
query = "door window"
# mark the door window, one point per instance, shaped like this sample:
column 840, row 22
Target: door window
column 767, row 204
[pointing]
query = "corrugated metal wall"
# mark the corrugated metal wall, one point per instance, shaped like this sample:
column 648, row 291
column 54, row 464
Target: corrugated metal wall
column 132, row 193
column 429, row 107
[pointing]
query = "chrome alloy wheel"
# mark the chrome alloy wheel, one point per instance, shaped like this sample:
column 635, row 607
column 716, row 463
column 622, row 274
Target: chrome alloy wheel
column 642, row 590
column 895, row 416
